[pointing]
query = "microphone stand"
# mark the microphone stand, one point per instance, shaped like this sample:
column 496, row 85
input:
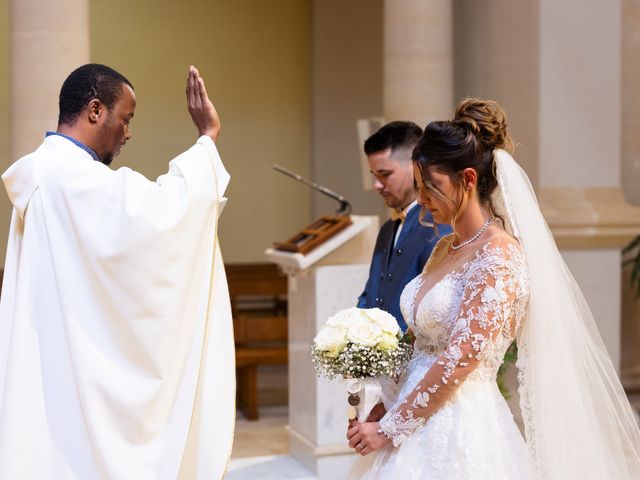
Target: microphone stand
column 345, row 206
column 320, row 230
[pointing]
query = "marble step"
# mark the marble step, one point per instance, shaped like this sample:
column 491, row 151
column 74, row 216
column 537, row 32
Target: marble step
column 272, row 467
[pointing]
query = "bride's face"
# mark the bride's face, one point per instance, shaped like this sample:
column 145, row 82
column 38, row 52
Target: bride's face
column 437, row 194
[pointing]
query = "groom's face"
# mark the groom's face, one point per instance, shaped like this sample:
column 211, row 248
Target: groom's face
column 393, row 176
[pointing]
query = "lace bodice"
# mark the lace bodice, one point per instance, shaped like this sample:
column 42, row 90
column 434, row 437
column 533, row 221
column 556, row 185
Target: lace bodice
column 463, row 325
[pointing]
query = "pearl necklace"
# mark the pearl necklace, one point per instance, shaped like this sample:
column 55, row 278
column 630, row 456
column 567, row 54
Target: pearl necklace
column 484, row 226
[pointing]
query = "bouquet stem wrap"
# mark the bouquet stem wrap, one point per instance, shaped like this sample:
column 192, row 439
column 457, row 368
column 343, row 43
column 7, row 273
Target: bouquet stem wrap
column 371, row 392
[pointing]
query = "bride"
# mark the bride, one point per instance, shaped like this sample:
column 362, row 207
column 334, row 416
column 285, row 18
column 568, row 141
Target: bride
column 497, row 278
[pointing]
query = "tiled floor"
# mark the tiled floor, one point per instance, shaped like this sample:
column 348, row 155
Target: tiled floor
column 263, row 437
column 275, row 467
column 266, row 436
column 261, row 447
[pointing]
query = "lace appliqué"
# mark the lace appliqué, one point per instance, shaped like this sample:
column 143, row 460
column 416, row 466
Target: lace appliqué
column 491, row 305
column 398, row 428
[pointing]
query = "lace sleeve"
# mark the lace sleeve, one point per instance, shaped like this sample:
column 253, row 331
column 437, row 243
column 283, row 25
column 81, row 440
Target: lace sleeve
column 492, row 306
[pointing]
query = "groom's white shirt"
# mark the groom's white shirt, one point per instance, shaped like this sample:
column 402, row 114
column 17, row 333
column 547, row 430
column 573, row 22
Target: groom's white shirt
column 116, row 343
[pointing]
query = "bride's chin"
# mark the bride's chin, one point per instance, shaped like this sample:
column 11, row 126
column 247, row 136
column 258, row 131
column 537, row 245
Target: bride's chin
column 439, row 219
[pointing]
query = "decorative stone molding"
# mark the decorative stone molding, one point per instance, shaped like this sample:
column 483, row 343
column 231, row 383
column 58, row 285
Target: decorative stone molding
column 588, row 218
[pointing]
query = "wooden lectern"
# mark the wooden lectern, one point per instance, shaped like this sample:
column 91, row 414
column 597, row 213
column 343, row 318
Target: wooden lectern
column 315, row 234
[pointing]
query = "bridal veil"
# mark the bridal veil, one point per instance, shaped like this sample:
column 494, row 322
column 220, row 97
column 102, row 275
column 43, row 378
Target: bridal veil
column 578, row 421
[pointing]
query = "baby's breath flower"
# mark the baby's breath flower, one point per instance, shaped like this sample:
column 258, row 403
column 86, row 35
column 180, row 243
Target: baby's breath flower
column 373, row 349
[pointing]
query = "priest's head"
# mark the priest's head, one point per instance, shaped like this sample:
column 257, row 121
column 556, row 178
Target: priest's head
column 96, row 106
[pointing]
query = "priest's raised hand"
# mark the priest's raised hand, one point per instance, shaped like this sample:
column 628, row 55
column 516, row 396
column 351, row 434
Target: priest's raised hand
column 204, row 114
column 116, row 349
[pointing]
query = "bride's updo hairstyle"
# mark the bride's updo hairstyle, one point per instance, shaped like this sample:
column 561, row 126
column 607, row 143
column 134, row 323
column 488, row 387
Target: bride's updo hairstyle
column 468, row 141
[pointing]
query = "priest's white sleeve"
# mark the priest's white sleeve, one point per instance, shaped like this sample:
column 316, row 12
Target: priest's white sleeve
column 188, row 166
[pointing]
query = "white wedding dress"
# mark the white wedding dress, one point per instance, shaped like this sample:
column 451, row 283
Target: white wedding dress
column 449, row 420
column 463, row 323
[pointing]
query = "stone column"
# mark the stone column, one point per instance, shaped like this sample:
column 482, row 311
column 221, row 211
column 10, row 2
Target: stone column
column 630, row 367
column 418, row 60
column 48, row 40
column 631, row 100
column 346, row 84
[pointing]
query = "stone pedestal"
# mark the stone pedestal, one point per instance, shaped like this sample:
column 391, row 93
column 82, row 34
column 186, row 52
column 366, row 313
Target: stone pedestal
column 317, row 407
column 630, row 362
column 328, row 279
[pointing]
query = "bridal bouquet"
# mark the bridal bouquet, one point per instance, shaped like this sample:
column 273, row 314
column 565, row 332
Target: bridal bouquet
column 367, row 349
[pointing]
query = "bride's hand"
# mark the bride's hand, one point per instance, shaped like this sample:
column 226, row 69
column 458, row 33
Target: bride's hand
column 352, row 429
column 364, row 437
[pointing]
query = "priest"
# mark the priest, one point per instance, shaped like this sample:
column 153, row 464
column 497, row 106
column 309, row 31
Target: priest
column 116, row 343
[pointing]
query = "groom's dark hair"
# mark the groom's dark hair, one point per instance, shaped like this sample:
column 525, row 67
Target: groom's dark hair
column 85, row 83
column 393, row 135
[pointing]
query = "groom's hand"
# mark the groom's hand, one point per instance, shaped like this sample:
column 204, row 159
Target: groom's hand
column 377, row 413
column 203, row 113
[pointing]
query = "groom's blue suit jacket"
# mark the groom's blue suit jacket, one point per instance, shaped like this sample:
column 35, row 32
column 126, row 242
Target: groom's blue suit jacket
column 393, row 267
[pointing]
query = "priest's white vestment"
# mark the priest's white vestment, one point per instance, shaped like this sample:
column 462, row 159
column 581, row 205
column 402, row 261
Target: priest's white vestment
column 116, row 340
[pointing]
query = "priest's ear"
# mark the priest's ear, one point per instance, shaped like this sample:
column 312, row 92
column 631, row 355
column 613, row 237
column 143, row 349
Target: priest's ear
column 95, row 110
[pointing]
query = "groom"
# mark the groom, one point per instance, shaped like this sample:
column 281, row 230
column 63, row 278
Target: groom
column 116, row 342
column 403, row 245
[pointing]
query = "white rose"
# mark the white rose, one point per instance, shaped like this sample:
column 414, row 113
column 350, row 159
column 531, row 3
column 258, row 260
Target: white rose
column 385, row 320
column 364, row 332
column 331, row 340
column 388, row 342
column 344, row 318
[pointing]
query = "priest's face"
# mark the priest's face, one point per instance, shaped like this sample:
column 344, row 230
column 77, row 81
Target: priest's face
column 393, row 174
column 114, row 131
